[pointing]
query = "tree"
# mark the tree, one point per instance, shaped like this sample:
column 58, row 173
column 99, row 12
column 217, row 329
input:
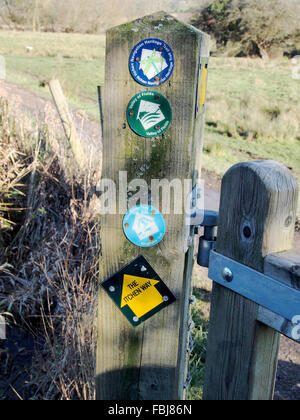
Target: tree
column 257, row 25
column 268, row 23
column 35, row 18
column 81, row 15
column 20, row 13
column 215, row 19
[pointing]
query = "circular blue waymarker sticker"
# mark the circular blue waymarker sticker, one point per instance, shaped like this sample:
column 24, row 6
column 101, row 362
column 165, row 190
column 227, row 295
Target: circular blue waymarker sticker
column 151, row 62
column 144, row 226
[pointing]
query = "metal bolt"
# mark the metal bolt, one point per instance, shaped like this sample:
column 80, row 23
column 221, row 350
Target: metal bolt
column 166, row 298
column 112, row 289
column 227, row 274
column 135, row 319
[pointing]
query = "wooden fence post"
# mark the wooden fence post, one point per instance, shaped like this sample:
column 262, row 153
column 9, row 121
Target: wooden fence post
column 87, row 156
column 148, row 361
column 68, row 123
column 257, row 218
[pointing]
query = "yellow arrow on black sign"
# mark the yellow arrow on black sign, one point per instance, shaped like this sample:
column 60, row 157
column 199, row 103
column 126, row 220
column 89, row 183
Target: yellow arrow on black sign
column 138, row 291
column 140, row 294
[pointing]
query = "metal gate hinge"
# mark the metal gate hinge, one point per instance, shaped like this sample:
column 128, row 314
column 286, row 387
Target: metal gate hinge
column 208, row 240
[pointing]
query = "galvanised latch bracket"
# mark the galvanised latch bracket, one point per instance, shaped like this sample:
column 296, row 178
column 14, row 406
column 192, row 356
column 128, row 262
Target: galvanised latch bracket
column 255, row 286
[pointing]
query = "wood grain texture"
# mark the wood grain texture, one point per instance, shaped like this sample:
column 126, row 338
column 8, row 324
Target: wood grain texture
column 143, row 362
column 284, row 267
column 257, row 215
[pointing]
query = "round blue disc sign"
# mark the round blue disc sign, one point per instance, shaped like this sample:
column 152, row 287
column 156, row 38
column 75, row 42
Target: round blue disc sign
column 144, row 226
column 151, row 62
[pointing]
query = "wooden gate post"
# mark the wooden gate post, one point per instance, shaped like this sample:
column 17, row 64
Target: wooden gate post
column 148, row 361
column 257, row 218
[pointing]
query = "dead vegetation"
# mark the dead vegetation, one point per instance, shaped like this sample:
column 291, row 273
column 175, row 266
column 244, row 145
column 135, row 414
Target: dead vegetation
column 49, row 260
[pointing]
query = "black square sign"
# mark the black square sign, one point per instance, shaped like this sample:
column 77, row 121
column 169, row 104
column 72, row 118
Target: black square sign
column 138, row 291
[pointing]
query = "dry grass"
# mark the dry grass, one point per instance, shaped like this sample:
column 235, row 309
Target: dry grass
column 49, row 267
column 255, row 119
column 254, row 100
column 15, row 166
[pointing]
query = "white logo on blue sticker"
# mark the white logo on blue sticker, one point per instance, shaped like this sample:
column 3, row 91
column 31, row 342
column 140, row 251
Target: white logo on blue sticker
column 151, row 62
column 144, row 226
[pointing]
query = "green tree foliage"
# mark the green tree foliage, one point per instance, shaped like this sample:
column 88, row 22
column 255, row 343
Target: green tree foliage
column 269, row 27
column 258, row 26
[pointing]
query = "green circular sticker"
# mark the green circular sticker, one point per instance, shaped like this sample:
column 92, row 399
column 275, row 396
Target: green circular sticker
column 149, row 114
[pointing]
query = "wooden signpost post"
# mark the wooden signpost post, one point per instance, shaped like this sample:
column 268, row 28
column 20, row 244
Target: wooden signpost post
column 149, row 361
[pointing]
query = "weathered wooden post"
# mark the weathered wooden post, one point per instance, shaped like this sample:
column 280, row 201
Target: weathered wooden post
column 62, row 107
column 148, row 361
column 257, row 219
column 86, row 154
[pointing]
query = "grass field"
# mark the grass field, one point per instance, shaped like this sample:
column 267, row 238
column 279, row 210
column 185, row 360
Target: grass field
column 253, row 106
column 252, row 113
column 76, row 60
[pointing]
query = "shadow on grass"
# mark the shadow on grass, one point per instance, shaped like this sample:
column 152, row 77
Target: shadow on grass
column 287, row 381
